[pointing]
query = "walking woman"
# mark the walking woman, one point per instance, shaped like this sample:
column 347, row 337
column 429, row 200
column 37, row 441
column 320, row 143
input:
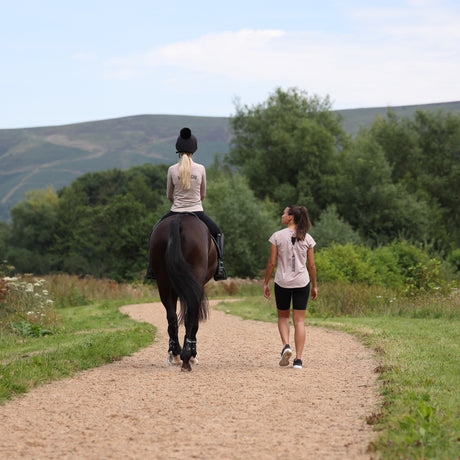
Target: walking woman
column 291, row 251
column 186, row 189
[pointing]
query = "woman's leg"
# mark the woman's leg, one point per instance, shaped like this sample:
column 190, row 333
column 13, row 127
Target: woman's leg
column 221, row 273
column 299, row 307
column 213, row 227
column 298, row 318
column 283, row 306
column 283, row 325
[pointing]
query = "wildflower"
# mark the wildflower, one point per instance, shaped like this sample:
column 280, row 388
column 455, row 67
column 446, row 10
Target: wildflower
column 7, row 278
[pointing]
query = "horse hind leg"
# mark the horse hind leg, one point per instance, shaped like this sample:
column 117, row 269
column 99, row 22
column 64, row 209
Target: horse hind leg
column 174, row 349
column 174, row 353
column 188, row 354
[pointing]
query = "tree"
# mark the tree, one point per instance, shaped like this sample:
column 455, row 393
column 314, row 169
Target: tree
column 110, row 240
column 5, row 236
column 287, row 147
column 424, row 155
column 33, row 227
column 246, row 222
column 369, row 200
column 332, row 229
column 105, row 219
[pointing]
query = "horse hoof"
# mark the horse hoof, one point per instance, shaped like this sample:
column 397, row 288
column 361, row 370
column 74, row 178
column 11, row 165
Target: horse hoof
column 194, row 360
column 173, row 360
column 186, row 367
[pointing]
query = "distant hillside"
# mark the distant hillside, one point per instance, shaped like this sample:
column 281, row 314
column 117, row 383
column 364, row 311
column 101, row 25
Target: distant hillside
column 34, row 158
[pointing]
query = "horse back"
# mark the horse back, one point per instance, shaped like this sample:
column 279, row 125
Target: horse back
column 197, row 246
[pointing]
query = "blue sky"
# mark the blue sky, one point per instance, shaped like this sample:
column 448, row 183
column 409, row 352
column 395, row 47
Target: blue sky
column 68, row 62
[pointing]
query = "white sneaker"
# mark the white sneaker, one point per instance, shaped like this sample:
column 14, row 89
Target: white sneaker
column 285, row 355
column 297, row 364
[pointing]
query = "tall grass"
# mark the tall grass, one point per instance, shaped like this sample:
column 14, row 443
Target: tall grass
column 30, row 306
column 26, row 306
column 69, row 290
column 415, row 338
column 360, row 299
column 51, row 327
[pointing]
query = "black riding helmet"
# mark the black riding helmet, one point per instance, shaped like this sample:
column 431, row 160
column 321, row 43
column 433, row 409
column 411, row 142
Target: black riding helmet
column 186, row 142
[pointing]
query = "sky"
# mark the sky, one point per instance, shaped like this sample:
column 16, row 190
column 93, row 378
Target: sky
column 69, row 62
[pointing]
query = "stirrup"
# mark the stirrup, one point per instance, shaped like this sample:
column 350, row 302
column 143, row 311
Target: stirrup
column 221, row 273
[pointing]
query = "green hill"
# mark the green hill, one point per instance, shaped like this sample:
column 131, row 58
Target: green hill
column 35, row 158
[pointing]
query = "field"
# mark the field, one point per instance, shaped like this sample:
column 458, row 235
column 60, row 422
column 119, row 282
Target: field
column 415, row 342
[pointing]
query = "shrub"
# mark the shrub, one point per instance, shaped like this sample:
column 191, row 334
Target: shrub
column 27, row 306
column 398, row 265
column 454, row 259
column 332, row 229
column 344, row 263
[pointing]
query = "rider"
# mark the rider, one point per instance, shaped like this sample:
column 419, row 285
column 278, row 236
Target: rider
column 186, row 189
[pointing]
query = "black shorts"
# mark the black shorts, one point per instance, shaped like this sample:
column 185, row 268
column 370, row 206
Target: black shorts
column 299, row 297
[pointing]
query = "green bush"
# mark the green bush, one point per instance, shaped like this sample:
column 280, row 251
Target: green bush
column 398, row 265
column 344, row 263
column 454, row 259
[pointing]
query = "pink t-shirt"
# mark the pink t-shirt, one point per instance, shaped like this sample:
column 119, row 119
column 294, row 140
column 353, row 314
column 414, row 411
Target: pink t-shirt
column 187, row 200
column 292, row 259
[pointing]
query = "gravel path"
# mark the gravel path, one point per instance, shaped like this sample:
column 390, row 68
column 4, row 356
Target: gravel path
column 238, row 403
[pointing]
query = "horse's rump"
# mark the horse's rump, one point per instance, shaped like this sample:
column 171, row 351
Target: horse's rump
column 183, row 255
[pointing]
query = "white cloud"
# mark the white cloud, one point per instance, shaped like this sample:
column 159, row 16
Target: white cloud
column 394, row 56
column 227, row 53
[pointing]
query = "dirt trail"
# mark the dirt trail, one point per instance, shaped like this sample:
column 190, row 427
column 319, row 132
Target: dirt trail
column 236, row 404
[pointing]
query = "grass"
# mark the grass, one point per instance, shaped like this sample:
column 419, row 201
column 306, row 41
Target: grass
column 55, row 326
column 416, row 343
column 86, row 337
column 415, row 339
column 419, row 381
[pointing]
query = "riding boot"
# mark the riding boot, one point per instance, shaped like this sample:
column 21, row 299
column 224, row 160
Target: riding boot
column 221, row 273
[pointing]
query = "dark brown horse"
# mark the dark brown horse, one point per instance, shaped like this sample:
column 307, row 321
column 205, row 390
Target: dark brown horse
column 184, row 258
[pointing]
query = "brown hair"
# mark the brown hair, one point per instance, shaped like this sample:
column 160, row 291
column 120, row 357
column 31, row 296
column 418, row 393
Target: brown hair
column 301, row 220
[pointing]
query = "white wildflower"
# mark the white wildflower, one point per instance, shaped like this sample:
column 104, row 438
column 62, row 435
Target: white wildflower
column 9, row 279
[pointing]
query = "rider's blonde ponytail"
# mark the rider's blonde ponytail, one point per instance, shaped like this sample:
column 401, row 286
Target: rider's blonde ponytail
column 184, row 171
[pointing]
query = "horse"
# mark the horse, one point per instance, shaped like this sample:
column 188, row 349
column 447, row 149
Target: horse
column 184, row 258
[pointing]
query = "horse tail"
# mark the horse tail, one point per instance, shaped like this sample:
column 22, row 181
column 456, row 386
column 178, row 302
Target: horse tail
column 191, row 293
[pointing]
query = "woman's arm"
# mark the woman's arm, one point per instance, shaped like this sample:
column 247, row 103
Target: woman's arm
column 312, row 271
column 170, row 187
column 270, row 267
column 203, row 185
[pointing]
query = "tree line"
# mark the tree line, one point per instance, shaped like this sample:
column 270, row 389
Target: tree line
column 397, row 180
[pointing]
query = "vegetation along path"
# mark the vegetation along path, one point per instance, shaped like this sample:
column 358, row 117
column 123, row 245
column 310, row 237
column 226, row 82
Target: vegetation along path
column 236, row 403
